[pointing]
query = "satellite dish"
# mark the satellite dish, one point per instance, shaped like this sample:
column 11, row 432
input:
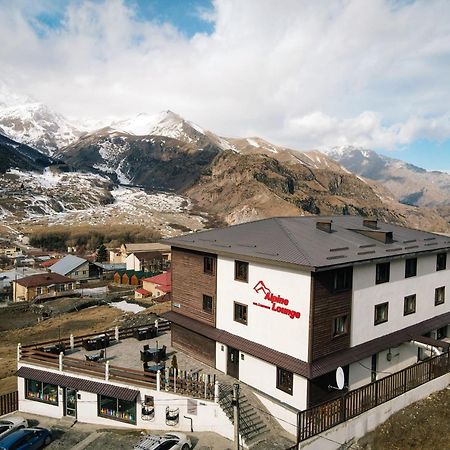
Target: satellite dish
column 340, row 378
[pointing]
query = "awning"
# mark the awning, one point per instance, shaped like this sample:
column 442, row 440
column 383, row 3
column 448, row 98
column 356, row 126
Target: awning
column 431, row 341
column 80, row 384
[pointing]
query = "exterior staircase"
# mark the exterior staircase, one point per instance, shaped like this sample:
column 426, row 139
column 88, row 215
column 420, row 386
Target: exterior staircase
column 257, row 428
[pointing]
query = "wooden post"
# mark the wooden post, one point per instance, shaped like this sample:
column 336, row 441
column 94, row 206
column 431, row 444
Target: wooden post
column 107, row 371
column 116, row 333
column 158, row 380
column 236, row 414
column 216, row 392
column 19, row 351
column 61, row 356
column 72, row 342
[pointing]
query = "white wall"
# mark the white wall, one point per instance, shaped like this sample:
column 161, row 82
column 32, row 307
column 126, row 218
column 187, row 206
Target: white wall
column 263, row 376
column 133, row 263
column 366, row 294
column 209, row 417
column 221, row 357
column 402, row 356
column 266, row 327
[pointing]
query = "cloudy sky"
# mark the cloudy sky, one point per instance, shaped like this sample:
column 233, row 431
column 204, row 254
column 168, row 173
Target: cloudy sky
column 305, row 74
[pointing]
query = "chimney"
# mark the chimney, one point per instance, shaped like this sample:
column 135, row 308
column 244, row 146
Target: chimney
column 371, row 223
column 324, row 226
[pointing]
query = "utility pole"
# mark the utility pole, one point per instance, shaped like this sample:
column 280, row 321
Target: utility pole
column 235, row 404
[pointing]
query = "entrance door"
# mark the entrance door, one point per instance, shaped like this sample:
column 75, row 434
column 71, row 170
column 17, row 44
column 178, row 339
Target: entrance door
column 70, row 402
column 233, row 362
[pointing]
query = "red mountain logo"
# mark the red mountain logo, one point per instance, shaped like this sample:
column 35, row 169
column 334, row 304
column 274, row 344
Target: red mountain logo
column 260, row 286
column 276, row 301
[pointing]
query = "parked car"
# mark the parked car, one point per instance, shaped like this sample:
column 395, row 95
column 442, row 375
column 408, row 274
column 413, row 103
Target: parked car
column 11, row 424
column 172, row 441
column 26, row 439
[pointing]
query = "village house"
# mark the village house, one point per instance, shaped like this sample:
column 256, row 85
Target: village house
column 44, row 284
column 147, row 261
column 77, row 268
column 281, row 303
column 156, row 286
column 128, row 249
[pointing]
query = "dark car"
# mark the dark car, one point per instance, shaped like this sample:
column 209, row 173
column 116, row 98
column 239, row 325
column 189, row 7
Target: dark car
column 26, row 439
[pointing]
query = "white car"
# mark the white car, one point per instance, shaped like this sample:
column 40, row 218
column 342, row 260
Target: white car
column 169, row 441
column 11, row 424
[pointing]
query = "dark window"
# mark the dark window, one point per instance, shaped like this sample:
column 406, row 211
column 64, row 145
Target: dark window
column 342, row 279
column 411, row 267
column 208, row 264
column 441, row 333
column 441, row 261
column 207, row 303
column 409, row 305
column 114, row 408
column 383, row 270
column 241, row 271
column 240, row 313
column 373, row 368
column 285, row 380
column 340, row 326
column 381, row 313
column 439, row 295
column 43, row 392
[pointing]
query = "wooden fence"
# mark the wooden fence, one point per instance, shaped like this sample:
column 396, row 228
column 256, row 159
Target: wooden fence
column 9, row 403
column 327, row 415
column 183, row 382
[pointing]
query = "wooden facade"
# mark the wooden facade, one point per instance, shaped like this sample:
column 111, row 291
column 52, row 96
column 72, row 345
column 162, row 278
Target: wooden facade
column 200, row 347
column 328, row 304
column 190, row 283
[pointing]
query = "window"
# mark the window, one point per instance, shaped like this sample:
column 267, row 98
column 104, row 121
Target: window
column 441, row 333
column 208, row 265
column 342, row 279
column 207, row 303
column 240, row 313
column 411, row 267
column 114, row 408
column 409, row 305
column 381, row 313
column 441, row 261
column 285, row 380
column 340, row 326
column 439, row 295
column 241, row 271
column 42, row 392
column 382, row 275
column 38, row 290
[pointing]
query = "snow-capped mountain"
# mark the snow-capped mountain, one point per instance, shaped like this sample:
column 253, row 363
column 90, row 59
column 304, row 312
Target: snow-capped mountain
column 32, row 123
column 170, row 125
column 409, row 184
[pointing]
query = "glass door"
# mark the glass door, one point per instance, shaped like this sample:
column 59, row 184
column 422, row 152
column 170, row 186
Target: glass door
column 70, row 404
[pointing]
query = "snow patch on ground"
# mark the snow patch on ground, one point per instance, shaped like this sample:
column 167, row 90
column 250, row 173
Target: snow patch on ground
column 127, row 307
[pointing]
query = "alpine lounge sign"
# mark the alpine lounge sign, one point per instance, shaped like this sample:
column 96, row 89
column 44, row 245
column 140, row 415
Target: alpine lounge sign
column 277, row 303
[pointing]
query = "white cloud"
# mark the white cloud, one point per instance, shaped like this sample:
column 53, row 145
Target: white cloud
column 296, row 72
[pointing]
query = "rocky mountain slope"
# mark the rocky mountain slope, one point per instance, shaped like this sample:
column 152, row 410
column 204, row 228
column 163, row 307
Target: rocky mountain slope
column 409, row 184
column 232, row 178
column 239, row 188
column 20, row 156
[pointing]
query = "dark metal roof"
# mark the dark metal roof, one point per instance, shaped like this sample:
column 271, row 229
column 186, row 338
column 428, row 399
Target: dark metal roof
column 433, row 342
column 297, row 240
column 43, row 279
column 78, row 383
column 321, row 366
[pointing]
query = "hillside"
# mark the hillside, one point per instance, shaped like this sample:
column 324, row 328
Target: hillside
column 239, row 188
column 409, row 184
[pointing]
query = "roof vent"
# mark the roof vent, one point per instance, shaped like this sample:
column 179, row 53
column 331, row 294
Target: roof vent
column 386, row 237
column 324, row 226
column 370, row 223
